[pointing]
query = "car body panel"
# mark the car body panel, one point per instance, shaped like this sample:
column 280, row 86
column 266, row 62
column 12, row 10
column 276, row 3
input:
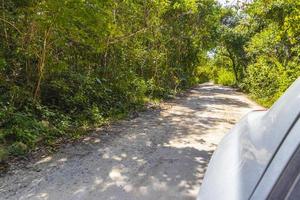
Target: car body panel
column 278, row 164
column 244, row 154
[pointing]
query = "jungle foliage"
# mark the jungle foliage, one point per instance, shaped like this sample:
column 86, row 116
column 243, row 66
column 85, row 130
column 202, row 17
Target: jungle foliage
column 69, row 65
column 260, row 46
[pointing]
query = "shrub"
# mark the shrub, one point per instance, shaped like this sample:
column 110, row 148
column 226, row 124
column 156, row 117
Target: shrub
column 225, row 77
column 3, row 154
column 203, row 74
column 18, row 148
column 266, row 81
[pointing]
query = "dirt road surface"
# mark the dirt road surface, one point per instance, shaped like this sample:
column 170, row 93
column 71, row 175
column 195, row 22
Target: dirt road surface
column 160, row 155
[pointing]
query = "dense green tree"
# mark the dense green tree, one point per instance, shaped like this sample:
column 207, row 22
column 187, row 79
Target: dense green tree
column 273, row 48
column 259, row 42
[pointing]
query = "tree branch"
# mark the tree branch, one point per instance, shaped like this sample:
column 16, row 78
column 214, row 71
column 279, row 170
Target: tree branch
column 10, row 23
column 127, row 36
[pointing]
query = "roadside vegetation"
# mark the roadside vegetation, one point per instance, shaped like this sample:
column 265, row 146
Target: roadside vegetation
column 258, row 48
column 68, row 66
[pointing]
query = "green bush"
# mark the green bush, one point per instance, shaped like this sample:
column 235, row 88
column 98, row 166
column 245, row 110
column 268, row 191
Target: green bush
column 266, row 82
column 262, row 83
column 3, row 154
column 18, row 148
column 203, row 74
column 225, row 77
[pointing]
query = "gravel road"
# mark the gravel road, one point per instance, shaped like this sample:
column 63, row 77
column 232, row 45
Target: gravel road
column 161, row 154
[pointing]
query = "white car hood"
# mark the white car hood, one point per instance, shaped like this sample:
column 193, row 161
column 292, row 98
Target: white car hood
column 244, row 154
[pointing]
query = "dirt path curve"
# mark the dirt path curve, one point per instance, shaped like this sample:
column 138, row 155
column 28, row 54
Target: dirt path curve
column 160, row 155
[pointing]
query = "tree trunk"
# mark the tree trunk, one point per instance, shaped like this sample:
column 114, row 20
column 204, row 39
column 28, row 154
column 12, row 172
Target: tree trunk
column 41, row 65
column 234, row 67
